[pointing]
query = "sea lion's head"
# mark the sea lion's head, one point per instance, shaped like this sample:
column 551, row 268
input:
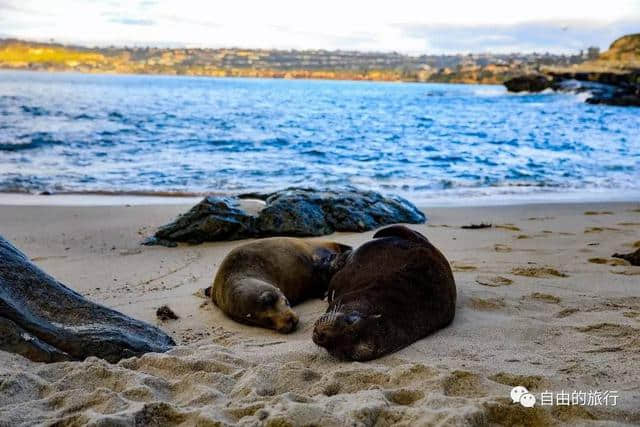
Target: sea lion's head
column 272, row 310
column 349, row 333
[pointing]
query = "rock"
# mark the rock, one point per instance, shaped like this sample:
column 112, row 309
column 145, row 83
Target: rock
column 621, row 88
column 289, row 212
column 618, row 99
column 633, row 257
column 164, row 313
column 45, row 321
column 309, row 212
column 528, row 83
column 214, row 218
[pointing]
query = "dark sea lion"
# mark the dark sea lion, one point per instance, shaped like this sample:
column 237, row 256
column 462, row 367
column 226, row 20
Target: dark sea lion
column 258, row 282
column 390, row 292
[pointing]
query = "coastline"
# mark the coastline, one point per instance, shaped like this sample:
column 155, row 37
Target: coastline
column 455, row 198
column 566, row 318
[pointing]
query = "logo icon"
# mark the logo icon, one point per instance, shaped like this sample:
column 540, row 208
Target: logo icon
column 521, row 395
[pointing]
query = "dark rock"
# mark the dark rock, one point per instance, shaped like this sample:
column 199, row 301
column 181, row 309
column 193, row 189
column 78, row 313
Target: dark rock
column 618, row 99
column 528, row 83
column 289, row 212
column 633, row 257
column 607, row 88
column 214, row 218
column 476, row 226
column 294, row 213
column 610, row 88
column 43, row 320
column 165, row 313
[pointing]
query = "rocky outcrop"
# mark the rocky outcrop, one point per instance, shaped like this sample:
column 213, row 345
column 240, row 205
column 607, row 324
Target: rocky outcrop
column 289, row 212
column 528, row 83
column 633, row 257
column 621, row 88
column 624, row 51
column 45, row 321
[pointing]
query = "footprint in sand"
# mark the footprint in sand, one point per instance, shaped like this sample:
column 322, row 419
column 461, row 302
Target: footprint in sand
column 403, row 396
column 598, row 213
column 608, row 330
column 631, row 271
column 539, row 272
column 522, row 236
column 608, row 261
column 566, row 312
column 493, row 281
column 460, row 267
column 539, row 296
column 509, row 227
column 629, row 224
column 599, row 229
column 499, row 247
column 464, row 384
column 530, row 382
column 487, row 304
column 616, row 337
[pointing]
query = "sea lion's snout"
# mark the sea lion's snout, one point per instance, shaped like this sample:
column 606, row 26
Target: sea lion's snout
column 286, row 322
column 336, row 331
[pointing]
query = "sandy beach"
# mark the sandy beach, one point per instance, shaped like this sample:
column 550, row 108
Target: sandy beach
column 540, row 303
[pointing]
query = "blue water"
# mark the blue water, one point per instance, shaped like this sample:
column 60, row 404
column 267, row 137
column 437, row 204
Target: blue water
column 73, row 132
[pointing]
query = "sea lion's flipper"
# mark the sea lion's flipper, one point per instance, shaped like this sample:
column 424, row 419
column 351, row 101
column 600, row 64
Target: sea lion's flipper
column 402, row 232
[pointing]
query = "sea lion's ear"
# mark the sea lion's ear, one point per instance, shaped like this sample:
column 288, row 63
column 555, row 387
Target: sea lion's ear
column 402, row 232
column 267, row 298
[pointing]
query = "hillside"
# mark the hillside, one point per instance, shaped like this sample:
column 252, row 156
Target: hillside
column 234, row 62
column 625, row 50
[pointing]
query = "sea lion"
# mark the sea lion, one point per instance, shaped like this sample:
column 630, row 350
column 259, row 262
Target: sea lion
column 258, row 282
column 390, row 292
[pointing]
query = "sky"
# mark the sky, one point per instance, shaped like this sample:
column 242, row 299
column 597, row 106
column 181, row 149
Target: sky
column 413, row 27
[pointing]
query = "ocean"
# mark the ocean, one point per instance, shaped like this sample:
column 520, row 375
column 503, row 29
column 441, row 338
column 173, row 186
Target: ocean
column 81, row 133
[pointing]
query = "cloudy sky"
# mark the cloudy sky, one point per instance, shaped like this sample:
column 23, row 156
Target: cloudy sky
column 406, row 26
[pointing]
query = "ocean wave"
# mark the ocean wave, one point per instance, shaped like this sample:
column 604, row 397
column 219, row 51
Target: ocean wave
column 30, row 142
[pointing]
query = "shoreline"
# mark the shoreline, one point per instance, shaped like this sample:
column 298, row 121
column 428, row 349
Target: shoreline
column 249, row 76
column 461, row 199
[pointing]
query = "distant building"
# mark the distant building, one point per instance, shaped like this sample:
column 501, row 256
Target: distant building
column 593, row 52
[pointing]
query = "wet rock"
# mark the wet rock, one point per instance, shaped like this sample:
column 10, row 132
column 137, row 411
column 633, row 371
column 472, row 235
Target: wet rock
column 633, row 257
column 45, row 321
column 528, row 83
column 289, row 212
column 620, row 88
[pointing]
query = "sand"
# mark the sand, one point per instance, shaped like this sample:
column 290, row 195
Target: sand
column 540, row 304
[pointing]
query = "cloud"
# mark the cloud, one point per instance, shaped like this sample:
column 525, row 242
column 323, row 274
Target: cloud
column 132, row 21
column 408, row 26
column 540, row 36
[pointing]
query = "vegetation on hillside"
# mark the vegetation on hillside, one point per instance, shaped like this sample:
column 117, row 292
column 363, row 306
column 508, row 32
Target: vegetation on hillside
column 318, row 64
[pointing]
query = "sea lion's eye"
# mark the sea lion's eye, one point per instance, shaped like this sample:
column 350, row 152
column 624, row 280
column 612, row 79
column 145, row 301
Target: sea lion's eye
column 351, row 319
column 267, row 299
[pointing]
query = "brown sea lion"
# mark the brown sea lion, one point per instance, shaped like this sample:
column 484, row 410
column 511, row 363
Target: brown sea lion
column 258, row 282
column 390, row 292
